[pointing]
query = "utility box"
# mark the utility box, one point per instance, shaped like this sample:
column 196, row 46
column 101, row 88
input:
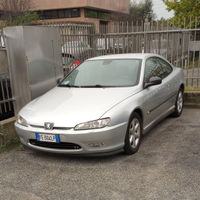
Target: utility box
column 34, row 58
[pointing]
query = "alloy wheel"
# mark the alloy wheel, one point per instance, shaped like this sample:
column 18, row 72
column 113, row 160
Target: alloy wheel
column 134, row 133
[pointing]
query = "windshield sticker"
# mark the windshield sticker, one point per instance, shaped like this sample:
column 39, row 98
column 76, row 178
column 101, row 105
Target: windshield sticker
column 65, row 83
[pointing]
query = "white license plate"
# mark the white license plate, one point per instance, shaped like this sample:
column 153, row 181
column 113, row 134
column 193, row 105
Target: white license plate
column 47, row 138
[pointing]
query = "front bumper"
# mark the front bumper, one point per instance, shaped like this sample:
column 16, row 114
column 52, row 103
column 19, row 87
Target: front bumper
column 94, row 141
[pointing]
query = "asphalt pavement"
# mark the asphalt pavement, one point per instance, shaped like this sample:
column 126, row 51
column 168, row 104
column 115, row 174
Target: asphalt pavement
column 167, row 166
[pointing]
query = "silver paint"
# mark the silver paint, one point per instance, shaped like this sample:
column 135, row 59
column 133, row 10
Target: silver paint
column 67, row 107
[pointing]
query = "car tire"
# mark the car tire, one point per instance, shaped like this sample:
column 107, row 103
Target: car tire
column 133, row 135
column 179, row 104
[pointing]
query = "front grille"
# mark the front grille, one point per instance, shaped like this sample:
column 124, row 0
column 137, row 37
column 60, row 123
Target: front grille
column 61, row 145
column 54, row 128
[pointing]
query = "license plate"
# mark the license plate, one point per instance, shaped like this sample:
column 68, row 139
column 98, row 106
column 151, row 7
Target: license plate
column 47, row 138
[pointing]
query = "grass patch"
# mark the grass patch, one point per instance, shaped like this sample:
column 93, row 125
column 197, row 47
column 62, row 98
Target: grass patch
column 2, row 149
column 192, row 89
column 15, row 144
column 193, row 63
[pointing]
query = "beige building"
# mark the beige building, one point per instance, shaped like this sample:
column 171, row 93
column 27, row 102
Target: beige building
column 97, row 11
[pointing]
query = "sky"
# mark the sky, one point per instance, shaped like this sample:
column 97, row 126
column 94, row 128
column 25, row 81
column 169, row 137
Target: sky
column 159, row 8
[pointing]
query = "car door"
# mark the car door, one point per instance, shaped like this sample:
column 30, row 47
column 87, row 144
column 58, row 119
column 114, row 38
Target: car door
column 154, row 96
column 168, row 82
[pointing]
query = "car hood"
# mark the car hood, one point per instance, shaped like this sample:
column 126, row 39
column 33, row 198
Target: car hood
column 67, row 107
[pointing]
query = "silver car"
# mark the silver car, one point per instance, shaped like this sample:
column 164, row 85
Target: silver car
column 104, row 105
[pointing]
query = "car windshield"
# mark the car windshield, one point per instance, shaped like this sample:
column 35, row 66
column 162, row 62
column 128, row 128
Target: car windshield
column 105, row 73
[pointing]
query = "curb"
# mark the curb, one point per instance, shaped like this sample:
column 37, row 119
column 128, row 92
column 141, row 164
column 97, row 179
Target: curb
column 7, row 130
column 192, row 99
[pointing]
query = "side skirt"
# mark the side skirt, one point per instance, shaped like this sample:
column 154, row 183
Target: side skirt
column 158, row 119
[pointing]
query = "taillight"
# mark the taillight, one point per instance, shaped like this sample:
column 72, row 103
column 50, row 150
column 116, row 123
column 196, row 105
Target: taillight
column 75, row 64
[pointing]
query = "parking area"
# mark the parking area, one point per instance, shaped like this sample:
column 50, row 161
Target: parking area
column 167, row 166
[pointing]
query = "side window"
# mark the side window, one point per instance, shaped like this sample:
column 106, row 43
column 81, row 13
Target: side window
column 167, row 69
column 152, row 69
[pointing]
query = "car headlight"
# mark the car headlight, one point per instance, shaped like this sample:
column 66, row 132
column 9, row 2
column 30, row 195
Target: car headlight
column 22, row 121
column 100, row 123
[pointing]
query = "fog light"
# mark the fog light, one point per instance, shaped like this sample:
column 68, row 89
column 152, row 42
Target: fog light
column 97, row 144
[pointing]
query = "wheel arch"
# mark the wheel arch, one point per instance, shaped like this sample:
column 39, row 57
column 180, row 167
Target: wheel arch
column 182, row 86
column 139, row 112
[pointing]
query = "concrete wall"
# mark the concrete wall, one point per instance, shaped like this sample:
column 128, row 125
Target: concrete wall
column 192, row 99
column 7, row 130
column 110, row 5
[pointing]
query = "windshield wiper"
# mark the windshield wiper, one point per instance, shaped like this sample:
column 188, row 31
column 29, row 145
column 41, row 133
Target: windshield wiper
column 95, row 86
column 100, row 86
column 68, row 85
column 92, row 86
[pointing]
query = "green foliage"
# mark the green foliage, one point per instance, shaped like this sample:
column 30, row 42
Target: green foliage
column 14, row 144
column 16, row 140
column 138, row 12
column 2, row 149
column 144, row 10
column 184, row 9
column 21, row 147
column 192, row 89
column 25, row 18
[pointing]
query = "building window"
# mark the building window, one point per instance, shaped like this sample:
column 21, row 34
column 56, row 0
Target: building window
column 76, row 12
column 102, row 15
column 54, row 14
column 68, row 13
column 47, row 14
column 96, row 14
column 61, row 13
column 91, row 13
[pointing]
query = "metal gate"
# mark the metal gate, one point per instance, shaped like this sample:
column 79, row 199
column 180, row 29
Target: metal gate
column 179, row 46
column 6, row 101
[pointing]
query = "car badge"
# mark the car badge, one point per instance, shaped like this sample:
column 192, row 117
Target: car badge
column 48, row 125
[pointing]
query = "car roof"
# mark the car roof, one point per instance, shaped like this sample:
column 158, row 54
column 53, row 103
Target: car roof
column 124, row 56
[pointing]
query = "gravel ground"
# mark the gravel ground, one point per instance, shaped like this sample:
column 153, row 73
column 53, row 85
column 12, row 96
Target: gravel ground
column 167, row 166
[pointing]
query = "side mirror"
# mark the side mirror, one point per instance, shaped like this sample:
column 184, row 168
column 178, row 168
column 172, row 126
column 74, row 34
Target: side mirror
column 59, row 80
column 153, row 81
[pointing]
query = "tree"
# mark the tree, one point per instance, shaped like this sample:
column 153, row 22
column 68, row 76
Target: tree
column 184, row 9
column 138, row 12
column 16, row 12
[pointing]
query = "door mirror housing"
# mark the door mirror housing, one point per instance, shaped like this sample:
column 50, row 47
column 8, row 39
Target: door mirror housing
column 153, row 81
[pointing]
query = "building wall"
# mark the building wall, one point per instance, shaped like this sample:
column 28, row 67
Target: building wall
column 111, row 5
